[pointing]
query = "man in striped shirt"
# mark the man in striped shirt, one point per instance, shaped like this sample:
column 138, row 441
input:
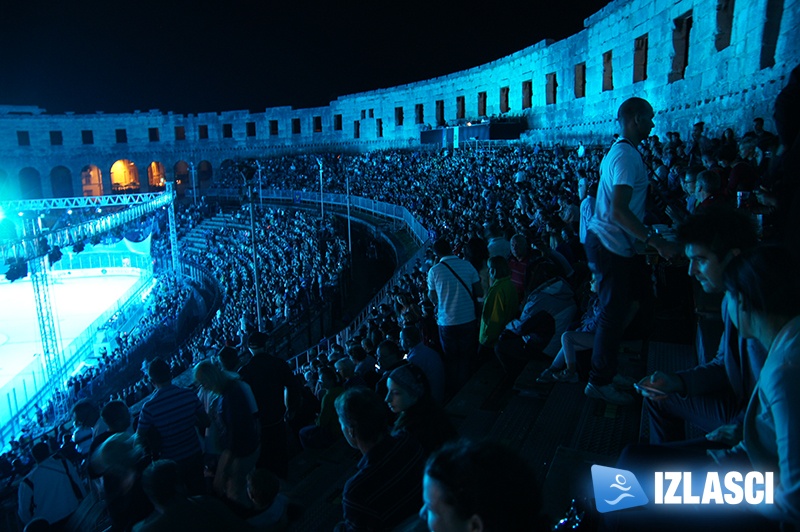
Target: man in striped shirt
column 168, row 425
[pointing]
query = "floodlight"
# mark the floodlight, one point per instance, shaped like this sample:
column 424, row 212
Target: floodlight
column 55, row 255
column 17, row 269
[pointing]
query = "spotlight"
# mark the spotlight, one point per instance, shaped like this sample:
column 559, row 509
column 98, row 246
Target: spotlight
column 99, row 210
column 17, row 269
column 54, row 256
column 69, row 212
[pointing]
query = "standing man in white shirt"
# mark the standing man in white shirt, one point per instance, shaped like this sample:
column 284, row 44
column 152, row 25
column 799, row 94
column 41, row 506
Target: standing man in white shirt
column 454, row 286
column 610, row 244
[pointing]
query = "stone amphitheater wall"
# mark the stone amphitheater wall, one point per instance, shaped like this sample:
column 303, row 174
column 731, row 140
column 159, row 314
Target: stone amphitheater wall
column 725, row 70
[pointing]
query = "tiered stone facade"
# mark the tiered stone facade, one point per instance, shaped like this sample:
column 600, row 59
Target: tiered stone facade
column 725, row 70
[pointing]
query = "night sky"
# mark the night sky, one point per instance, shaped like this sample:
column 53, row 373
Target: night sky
column 191, row 57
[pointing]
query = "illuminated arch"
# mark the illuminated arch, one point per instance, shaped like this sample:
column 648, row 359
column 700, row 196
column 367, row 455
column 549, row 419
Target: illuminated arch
column 156, row 176
column 30, row 183
column 91, row 180
column 124, row 177
column 61, row 182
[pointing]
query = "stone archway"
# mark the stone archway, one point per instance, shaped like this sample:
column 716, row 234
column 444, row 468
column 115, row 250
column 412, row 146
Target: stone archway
column 182, row 177
column 124, row 177
column 156, row 176
column 61, row 182
column 205, row 173
column 91, row 180
column 30, row 183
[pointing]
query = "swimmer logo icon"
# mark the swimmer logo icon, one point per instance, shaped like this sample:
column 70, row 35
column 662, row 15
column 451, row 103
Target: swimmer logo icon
column 616, row 489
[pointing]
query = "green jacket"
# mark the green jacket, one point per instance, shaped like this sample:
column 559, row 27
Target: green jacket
column 500, row 307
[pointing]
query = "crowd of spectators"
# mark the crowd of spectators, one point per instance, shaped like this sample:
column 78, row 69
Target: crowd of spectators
column 297, row 273
column 515, row 213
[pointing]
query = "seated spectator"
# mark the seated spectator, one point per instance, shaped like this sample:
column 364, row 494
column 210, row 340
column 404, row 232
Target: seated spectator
column 520, row 263
column 426, row 359
column 480, row 486
column 52, row 490
column 587, row 194
column 547, row 314
column 346, row 370
column 564, row 366
column 688, row 184
column 85, row 416
column 365, row 363
column 417, row 413
column 500, row 305
column 711, row 396
column 385, row 490
column 763, row 293
column 497, row 243
column 766, row 141
column 407, row 309
column 175, row 511
column 389, row 358
column 708, row 191
column 271, row 505
column 326, row 431
column 763, row 287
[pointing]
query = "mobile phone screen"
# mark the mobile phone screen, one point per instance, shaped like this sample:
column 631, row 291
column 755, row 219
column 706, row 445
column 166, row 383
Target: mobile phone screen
column 648, row 390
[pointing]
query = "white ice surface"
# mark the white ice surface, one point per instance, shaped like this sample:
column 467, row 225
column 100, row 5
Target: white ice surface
column 77, row 302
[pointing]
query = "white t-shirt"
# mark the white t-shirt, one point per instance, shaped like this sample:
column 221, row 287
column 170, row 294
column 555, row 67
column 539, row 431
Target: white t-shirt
column 622, row 165
column 455, row 305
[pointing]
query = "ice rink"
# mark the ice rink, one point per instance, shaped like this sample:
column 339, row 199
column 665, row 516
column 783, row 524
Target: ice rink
column 77, row 302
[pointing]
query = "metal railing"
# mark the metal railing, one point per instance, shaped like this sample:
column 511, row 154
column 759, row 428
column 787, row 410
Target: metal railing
column 344, row 335
column 379, row 209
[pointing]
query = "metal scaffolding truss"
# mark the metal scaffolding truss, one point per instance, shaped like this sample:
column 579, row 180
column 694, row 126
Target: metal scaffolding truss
column 173, row 233
column 53, row 356
column 78, row 203
column 28, row 246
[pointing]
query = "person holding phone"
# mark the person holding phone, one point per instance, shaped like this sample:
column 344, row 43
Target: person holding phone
column 711, row 396
column 763, row 290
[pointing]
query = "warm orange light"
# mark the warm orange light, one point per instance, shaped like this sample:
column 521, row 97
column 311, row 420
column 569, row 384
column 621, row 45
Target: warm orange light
column 124, row 175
